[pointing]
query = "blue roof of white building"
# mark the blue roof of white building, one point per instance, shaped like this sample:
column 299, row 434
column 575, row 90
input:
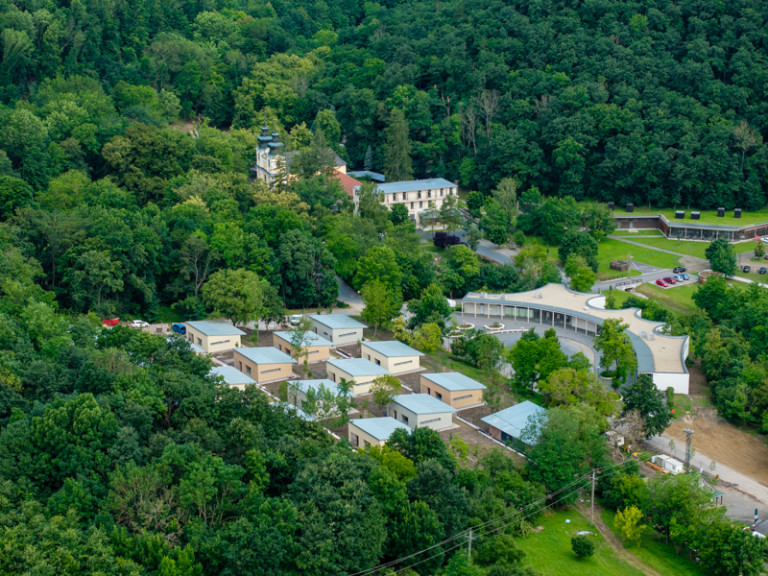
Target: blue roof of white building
column 414, row 185
column 213, row 328
column 265, row 355
column 232, row 376
column 310, row 338
column 336, row 321
column 379, row 428
column 393, row 349
column 358, row 367
column 422, row 404
column 454, row 381
column 375, row 176
column 316, row 385
column 513, row 420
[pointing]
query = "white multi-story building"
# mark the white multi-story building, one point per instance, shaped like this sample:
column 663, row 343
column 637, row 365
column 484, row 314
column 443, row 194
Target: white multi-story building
column 416, row 195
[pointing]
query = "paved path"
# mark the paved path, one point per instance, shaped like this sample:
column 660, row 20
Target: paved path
column 742, row 493
column 349, row 296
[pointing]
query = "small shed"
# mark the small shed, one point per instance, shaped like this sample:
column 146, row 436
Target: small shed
column 358, row 370
column 316, row 397
column 395, row 356
column 265, row 364
column 340, row 329
column 213, row 336
column 620, row 265
column 372, row 431
column 453, row 388
column 421, row 410
column 507, row 425
column 232, row 376
column 316, row 347
column 667, row 463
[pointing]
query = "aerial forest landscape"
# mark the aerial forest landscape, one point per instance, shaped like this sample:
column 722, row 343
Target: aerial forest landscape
column 383, row 288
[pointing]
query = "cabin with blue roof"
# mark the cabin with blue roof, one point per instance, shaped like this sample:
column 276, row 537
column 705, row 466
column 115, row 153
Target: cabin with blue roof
column 395, row 356
column 453, row 388
column 213, row 336
column 421, row 410
column 358, row 370
column 508, row 425
column 313, row 346
column 318, row 398
column 366, row 432
column 265, row 364
column 340, row 329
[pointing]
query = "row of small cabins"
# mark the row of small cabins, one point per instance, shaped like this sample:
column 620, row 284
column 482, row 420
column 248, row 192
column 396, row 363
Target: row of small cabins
column 439, row 397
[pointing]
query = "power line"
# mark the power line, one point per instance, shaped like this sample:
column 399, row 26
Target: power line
column 490, row 527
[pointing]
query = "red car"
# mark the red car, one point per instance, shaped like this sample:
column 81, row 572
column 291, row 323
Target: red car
column 109, row 322
column 661, row 283
column 670, row 280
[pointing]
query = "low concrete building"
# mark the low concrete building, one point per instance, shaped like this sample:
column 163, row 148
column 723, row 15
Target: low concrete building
column 507, row 426
column 317, row 398
column 421, row 410
column 667, row 463
column 556, row 306
column 395, row 356
column 372, row 431
column 232, row 376
column 264, row 364
column 358, row 370
column 316, row 347
column 340, row 329
column 213, row 336
column 453, row 388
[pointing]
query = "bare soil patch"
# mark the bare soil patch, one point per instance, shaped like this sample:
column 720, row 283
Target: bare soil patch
column 724, row 443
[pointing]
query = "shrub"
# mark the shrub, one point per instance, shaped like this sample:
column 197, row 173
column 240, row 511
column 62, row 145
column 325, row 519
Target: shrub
column 582, row 547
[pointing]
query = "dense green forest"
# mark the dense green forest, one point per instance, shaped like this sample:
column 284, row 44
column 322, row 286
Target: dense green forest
column 653, row 102
column 127, row 133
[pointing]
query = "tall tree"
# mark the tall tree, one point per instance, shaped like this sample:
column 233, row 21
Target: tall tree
column 397, row 149
column 721, row 257
column 650, row 402
column 234, row 294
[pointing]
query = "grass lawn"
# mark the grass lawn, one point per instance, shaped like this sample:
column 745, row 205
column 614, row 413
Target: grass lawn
column 678, row 298
column 659, row 555
column 619, row 296
column 707, row 216
column 638, row 233
column 549, row 551
column 610, row 249
column 690, row 247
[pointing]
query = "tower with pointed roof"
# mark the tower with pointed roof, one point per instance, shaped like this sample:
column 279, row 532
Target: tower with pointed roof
column 270, row 157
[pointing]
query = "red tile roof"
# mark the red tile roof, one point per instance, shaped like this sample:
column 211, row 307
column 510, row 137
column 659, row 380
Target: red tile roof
column 347, row 182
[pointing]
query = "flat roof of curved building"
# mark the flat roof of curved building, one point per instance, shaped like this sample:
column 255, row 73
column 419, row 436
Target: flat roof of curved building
column 656, row 352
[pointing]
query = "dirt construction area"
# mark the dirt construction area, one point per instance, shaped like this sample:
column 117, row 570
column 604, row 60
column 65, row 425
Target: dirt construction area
column 723, row 443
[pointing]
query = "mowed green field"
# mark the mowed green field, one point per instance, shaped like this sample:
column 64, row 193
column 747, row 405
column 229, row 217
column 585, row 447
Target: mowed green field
column 690, row 247
column 656, row 554
column 549, row 551
column 678, row 298
column 610, row 249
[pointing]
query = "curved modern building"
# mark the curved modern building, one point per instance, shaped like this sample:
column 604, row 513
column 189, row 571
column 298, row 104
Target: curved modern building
column 554, row 305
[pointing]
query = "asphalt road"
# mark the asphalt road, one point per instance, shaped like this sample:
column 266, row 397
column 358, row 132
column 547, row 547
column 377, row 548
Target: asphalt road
column 742, row 493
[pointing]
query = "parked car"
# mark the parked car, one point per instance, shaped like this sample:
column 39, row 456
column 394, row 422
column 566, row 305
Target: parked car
column 763, row 270
column 179, row 328
column 139, row 324
column 746, row 269
column 670, row 280
column 295, row 319
column 678, row 270
column 110, row 322
column 661, row 283
column 678, row 277
column 685, row 276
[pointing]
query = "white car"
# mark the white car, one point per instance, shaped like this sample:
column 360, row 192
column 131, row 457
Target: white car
column 139, row 324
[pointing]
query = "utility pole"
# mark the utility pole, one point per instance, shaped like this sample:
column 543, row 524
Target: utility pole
column 592, row 511
column 469, row 550
column 689, row 436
